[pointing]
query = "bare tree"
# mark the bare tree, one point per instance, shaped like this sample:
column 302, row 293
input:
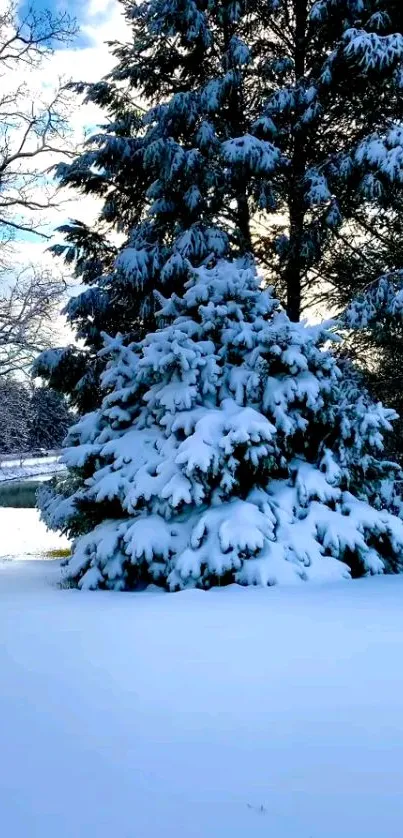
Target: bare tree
column 28, row 310
column 33, row 135
column 33, row 125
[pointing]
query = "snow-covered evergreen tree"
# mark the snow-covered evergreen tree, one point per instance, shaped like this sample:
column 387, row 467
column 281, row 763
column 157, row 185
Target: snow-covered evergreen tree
column 272, row 127
column 374, row 327
column 229, row 447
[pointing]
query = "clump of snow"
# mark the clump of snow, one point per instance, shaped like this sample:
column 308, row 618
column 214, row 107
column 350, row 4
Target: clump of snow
column 382, row 299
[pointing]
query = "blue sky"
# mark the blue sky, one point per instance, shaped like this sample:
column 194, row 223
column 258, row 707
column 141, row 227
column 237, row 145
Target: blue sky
column 83, row 12
column 88, row 59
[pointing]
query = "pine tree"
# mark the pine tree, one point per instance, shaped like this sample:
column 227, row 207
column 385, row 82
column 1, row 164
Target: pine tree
column 229, row 446
column 374, row 327
column 270, row 127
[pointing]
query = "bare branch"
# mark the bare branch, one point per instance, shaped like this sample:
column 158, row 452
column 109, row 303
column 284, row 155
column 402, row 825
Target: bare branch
column 33, row 129
column 29, row 305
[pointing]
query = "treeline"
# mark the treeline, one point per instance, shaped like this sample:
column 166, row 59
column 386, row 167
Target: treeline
column 31, row 418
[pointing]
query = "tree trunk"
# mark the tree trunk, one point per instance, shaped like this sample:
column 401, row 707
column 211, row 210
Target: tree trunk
column 294, row 267
column 244, row 223
column 237, row 129
column 294, row 262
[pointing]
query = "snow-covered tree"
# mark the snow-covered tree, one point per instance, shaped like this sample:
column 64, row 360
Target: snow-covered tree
column 374, row 328
column 14, row 415
column 229, row 446
column 49, row 419
column 272, row 127
column 31, row 417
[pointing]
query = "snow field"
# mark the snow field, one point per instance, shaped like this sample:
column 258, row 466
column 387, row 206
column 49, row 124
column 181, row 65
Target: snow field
column 237, row 713
column 23, row 534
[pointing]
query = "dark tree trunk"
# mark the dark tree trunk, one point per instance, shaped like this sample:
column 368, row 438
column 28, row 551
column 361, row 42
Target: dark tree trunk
column 237, row 129
column 244, row 223
column 295, row 267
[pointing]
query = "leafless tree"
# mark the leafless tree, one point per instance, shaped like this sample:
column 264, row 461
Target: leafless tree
column 33, row 135
column 28, row 309
column 33, row 125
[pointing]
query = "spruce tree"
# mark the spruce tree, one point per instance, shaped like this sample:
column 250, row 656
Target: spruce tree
column 229, row 447
column 373, row 323
column 276, row 124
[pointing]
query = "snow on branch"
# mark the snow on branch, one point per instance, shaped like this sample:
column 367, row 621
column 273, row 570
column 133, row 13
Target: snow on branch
column 229, row 446
column 372, row 51
column 381, row 299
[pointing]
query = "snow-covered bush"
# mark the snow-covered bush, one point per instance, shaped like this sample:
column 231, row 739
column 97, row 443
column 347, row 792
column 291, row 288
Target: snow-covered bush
column 229, row 447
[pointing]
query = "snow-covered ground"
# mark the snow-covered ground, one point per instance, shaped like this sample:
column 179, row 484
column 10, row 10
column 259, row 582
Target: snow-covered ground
column 23, row 534
column 238, row 713
column 14, row 469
